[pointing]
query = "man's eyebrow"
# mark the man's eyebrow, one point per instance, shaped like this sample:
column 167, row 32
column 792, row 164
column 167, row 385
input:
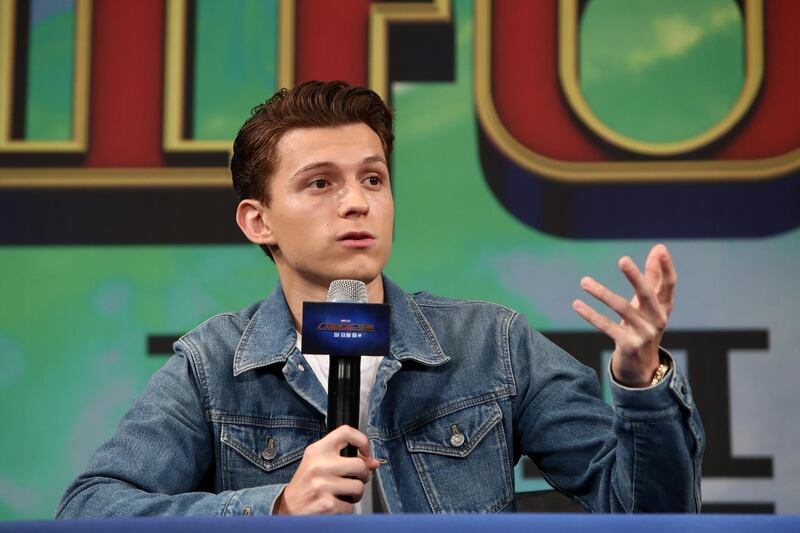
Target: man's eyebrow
column 313, row 166
column 377, row 158
column 373, row 159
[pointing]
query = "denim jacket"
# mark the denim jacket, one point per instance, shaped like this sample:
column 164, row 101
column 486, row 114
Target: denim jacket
column 467, row 389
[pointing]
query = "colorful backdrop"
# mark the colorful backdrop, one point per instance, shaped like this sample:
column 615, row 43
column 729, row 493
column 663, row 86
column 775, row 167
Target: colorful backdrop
column 537, row 141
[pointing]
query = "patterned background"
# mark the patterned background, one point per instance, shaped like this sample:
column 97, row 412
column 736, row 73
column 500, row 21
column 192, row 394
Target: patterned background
column 97, row 276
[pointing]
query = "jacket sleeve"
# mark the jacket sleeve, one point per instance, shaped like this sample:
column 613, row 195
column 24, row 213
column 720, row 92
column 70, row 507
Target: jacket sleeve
column 160, row 458
column 642, row 455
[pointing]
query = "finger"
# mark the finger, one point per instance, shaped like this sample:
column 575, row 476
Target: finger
column 340, row 437
column 652, row 266
column 599, row 321
column 669, row 276
column 371, row 462
column 365, row 450
column 348, row 487
column 616, row 302
column 354, row 467
column 626, row 340
column 645, row 294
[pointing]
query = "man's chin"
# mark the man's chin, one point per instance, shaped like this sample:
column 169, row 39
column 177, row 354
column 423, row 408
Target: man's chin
column 324, row 270
column 366, row 276
column 362, row 271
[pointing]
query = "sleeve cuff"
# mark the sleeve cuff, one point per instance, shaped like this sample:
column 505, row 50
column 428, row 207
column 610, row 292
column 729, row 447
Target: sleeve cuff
column 253, row 501
column 656, row 401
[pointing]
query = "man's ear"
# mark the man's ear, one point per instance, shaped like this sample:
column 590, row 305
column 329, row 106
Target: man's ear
column 252, row 218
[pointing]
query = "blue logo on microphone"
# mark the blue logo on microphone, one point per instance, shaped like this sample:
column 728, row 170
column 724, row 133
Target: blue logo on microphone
column 346, row 328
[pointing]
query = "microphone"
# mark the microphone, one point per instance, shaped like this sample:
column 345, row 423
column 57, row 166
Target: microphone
column 344, row 376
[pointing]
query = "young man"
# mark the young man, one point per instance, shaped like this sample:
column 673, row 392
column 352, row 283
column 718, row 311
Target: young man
column 234, row 423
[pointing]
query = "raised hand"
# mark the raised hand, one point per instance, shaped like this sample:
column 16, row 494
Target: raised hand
column 638, row 335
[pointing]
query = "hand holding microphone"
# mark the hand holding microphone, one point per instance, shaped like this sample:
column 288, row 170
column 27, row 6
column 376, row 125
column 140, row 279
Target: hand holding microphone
column 324, row 476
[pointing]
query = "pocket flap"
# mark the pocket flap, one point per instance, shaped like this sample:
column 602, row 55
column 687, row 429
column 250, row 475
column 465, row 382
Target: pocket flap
column 268, row 448
column 455, row 434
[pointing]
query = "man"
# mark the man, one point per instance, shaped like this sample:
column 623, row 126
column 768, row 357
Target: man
column 234, row 423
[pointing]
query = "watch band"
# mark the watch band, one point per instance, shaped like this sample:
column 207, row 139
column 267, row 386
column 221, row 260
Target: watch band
column 659, row 374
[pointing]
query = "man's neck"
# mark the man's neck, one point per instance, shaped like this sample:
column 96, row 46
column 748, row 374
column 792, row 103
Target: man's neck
column 298, row 290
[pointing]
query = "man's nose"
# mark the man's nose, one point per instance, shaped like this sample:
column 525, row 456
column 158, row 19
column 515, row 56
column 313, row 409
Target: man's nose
column 353, row 201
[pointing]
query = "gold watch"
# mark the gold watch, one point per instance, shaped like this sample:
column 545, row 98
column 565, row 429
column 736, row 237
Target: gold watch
column 660, row 372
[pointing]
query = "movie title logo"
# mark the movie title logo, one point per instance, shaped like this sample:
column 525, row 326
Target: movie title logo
column 346, row 330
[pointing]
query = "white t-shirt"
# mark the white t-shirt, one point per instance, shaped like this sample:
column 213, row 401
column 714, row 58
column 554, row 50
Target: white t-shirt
column 369, row 370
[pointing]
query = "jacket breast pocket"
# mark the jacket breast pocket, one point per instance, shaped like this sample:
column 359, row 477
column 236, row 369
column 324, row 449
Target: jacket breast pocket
column 258, row 455
column 462, row 460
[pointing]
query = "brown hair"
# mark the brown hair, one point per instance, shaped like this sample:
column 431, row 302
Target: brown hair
column 311, row 104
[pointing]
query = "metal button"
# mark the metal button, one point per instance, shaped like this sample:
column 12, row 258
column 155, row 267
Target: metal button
column 301, row 368
column 248, row 511
column 457, row 439
column 269, row 453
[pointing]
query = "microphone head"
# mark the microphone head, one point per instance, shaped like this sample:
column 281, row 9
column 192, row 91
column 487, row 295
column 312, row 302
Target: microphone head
column 348, row 290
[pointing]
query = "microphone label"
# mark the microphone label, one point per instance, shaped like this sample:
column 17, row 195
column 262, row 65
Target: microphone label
column 345, row 328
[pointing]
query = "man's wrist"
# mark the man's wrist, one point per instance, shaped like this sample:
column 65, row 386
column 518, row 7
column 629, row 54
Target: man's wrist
column 650, row 401
column 643, row 378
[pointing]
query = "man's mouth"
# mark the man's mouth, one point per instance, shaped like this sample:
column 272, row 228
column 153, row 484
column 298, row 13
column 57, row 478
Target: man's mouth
column 356, row 239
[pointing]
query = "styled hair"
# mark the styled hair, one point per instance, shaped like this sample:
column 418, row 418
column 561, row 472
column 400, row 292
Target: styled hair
column 311, row 104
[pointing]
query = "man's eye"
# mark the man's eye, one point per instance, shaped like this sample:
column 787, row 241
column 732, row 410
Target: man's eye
column 319, row 184
column 374, row 180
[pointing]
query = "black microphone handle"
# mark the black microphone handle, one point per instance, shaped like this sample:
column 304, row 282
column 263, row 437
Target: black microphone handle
column 344, row 391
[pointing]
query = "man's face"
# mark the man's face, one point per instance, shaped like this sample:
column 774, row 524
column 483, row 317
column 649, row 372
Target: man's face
column 330, row 212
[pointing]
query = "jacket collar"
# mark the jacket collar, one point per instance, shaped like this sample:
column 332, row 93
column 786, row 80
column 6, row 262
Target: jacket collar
column 270, row 336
